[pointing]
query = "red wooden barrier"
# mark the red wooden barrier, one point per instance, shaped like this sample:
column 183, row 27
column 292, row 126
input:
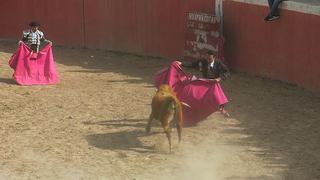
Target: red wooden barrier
column 286, row 49
column 150, row 27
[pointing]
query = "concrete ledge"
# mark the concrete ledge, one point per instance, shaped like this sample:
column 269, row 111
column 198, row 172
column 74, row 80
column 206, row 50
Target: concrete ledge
column 307, row 6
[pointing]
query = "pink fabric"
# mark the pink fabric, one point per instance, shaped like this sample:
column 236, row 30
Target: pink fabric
column 34, row 68
column 202, row 95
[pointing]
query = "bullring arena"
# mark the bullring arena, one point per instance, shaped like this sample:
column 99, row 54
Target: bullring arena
column 91, row 125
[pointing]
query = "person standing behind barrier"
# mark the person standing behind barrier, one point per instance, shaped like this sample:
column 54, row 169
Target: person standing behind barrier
column 274, row 11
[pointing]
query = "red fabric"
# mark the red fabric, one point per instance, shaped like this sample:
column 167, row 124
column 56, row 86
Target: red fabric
column 34, row 68
column 204, row 96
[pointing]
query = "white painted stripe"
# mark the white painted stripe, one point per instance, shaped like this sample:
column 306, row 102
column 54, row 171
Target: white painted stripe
column 308, row 7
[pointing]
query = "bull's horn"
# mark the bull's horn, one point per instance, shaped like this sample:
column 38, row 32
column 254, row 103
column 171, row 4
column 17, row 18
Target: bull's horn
column 185, row 104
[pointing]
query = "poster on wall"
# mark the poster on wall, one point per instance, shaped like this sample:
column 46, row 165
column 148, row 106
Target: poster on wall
column 202, row 34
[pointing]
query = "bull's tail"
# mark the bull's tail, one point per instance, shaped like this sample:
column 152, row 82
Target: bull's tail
column 178, row 117
column 171, row 113
column 174, row 105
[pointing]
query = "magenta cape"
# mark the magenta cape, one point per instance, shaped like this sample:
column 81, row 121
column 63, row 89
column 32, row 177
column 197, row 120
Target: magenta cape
column 202, row 95
column 34, row 69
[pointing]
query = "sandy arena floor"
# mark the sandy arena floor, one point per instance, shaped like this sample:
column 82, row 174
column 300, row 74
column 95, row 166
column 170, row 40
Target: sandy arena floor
column 91, row 126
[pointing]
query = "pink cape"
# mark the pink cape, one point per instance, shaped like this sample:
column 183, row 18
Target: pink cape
column 34, row 68
column 202, row 95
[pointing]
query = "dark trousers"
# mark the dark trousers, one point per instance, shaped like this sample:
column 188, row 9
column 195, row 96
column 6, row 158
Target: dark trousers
column 273, row 4
column 34, row 47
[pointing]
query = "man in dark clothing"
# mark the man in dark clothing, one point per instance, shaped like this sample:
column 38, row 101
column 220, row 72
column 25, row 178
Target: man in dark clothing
column 212, row 69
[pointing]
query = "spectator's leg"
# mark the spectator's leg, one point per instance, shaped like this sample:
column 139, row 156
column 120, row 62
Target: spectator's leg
column 274, row 8
column 270, row 2
column 268, row 17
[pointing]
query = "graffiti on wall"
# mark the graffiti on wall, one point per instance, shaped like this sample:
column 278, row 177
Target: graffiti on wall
column 203, row 34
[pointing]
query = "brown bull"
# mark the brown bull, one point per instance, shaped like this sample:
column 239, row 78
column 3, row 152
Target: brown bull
column 168, row 110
